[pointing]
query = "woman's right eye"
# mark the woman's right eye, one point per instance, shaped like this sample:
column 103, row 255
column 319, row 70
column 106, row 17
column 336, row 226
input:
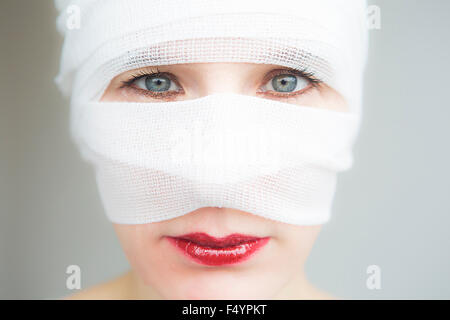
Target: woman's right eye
column 156, row 83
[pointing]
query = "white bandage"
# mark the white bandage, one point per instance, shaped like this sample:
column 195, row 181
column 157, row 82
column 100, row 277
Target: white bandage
column 157, row 161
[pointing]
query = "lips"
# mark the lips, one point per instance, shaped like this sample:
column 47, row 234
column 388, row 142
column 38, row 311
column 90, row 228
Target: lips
column 207, row 250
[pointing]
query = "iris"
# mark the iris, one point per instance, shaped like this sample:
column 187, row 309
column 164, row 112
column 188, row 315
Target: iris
column 284, row 83
column 157, row 83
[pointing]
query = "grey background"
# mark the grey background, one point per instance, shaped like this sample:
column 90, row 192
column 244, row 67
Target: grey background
column 392, row 209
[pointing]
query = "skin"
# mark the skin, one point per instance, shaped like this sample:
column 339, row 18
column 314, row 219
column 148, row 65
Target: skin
column 158, row 270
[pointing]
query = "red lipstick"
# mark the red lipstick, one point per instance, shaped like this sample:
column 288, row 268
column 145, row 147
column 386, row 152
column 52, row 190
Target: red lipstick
column 205, row 249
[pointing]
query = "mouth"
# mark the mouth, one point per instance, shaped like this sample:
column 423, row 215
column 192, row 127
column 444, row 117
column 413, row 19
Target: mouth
column 207, row 250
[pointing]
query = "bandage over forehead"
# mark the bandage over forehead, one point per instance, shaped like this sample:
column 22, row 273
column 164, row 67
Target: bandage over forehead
column 324, row 37
column 157, row 161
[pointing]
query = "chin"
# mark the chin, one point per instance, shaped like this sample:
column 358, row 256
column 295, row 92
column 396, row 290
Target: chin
column 212, row 284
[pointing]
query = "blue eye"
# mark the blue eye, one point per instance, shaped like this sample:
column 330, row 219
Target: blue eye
column 156, row 83
column 285, row 83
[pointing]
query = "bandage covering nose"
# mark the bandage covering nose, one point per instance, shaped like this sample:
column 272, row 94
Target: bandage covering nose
column 158, row 161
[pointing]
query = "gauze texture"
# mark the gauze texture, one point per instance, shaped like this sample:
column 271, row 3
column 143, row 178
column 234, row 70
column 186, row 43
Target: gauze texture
column 162, row 160
column 157, row 161
column 325, row 37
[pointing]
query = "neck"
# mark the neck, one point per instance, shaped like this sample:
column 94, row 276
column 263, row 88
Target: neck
column 299, row 288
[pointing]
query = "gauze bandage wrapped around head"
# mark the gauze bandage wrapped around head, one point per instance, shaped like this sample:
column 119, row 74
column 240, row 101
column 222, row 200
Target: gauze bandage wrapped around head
column 157, row 161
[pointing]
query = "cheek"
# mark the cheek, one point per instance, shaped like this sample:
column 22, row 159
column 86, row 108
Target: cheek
column 115, row 94
column 151, row 257
column 140, row 244
column 110, row 94
column 297, row 241
column 323, row 98
column 332, row 100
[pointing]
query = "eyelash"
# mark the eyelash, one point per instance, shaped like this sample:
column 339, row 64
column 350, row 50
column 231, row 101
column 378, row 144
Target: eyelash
column 309, row 76
column 154, row 71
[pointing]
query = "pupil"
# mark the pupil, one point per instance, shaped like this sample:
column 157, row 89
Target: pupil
column 284, row 83
column 159, row 83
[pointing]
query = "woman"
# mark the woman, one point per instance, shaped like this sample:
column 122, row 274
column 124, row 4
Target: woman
column 216, row 129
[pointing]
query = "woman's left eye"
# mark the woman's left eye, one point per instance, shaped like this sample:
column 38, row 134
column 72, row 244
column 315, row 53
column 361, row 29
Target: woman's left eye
column 156, row 83
column 286, row 83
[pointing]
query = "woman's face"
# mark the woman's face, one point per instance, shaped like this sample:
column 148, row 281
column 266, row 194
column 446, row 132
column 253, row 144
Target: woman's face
column 276, row 268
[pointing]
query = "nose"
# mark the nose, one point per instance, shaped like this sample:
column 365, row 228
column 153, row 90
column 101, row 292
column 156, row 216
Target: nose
column 224, row 78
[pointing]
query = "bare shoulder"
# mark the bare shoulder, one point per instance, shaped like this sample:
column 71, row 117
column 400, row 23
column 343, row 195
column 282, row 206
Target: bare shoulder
column 115, row 289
